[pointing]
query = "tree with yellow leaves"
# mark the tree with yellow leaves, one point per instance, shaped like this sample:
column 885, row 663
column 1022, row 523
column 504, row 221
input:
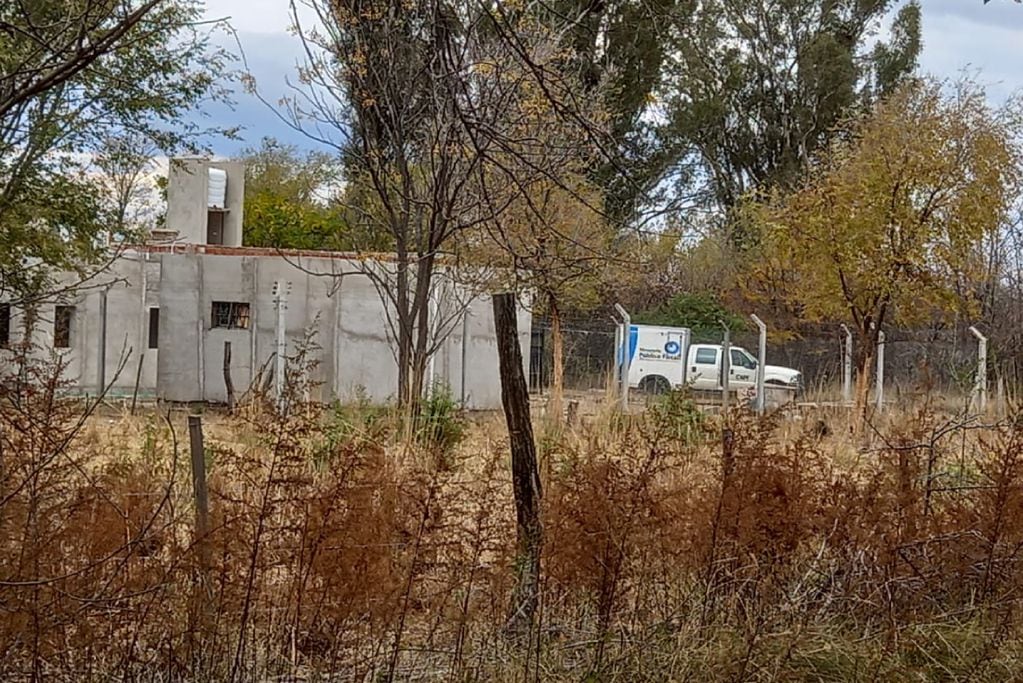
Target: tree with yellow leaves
column 888, row 226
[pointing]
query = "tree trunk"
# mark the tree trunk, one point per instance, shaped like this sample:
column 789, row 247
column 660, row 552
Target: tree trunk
column 421, row 346
column 525, row 477
column 413, row 331
column 404, row 316
column 864, row 366
column 554, row 403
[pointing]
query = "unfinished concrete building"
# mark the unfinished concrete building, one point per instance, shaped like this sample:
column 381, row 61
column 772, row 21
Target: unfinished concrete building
column 158, row 320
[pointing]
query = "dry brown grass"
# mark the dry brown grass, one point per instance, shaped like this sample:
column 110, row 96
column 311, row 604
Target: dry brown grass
column 340, row 551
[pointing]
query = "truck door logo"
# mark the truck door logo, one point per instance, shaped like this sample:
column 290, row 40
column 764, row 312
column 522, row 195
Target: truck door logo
column 672, row 348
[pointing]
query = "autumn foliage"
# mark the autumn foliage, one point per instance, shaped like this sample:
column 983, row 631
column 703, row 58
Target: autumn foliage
column 891, row 225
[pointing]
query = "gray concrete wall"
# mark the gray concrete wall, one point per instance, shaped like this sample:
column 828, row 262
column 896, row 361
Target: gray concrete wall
column 482, row 388
column 332, row 305
column 366, row 361
column 181, row 329
column 310, row 312
column 131, row 284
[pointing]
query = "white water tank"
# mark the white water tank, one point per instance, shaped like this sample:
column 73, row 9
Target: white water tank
column 216, row 188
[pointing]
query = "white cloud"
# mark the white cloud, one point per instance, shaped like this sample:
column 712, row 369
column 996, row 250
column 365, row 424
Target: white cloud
column 959, row 36
column 257, row 16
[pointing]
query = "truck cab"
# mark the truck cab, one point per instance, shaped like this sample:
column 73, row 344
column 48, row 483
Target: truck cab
column 704, row 369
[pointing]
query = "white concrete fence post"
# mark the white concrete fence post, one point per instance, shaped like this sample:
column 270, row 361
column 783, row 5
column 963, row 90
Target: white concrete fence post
column 1000, row 397
column 432, row 334
column 979, row 394
column 280, row 292
column 726, row 367
column 626, row 360
column 761, row 398
column 465, row 354
column 619, row 356
column 847, row 363
column 879, row 386
column 101, row 372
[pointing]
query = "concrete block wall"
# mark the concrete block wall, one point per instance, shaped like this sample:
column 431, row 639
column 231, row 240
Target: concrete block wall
column 131, row 284
column 309, row 315
column 331, row 303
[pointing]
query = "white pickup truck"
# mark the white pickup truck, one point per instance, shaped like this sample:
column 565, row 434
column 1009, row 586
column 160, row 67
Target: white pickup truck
column 662, row 358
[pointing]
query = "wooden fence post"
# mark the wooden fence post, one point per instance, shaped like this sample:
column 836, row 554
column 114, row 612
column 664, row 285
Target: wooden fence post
column 228, row 384
column 202, row 500
column 138, row 380
column 525, row 476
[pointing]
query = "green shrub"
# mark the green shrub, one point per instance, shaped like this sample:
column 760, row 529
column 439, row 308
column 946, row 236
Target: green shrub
column 702, row 312
column 677, row 416
column 440, row 425
column 357, row 422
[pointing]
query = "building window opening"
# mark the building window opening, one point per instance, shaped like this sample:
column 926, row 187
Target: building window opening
column 62, row 318
column 5, row 325
column 154, row 328
column 231, row 315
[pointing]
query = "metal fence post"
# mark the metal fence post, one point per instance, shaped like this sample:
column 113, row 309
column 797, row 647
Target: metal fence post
column 879, row 387
column 761, row 401
column 626, row 360
column 980, row 383
column 847, row 362
column 726, row 366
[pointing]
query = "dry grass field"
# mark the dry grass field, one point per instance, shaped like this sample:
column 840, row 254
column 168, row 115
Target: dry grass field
column 343, row 548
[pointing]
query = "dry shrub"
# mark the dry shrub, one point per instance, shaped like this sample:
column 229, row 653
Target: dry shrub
column 79, row 543
column 769, row 547
column 670, row 553
column 319, row 551
column 609, row 521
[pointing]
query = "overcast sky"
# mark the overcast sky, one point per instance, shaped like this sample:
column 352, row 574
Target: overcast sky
column 958, row 35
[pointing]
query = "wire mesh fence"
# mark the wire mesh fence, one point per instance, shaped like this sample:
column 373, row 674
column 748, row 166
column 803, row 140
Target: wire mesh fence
column 589, row 347
column 939, row 359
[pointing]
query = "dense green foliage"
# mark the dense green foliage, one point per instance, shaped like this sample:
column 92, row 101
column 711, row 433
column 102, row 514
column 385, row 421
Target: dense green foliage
column 73, row 74
column 700, row 311
column 295, row 201
column 619, row 51
column 754, row 113
column 744, row 92
column 284, row 204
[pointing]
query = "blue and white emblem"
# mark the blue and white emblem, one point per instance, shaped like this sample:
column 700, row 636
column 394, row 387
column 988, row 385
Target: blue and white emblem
column 672, row 348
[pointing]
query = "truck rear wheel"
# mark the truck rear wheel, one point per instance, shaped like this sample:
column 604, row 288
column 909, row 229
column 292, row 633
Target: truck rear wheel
column 654, row 385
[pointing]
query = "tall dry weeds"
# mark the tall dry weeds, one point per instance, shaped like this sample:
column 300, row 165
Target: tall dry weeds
column 336, row 549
